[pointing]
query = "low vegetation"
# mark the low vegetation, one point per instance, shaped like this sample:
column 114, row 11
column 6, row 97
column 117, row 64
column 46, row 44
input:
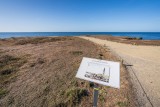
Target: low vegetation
column 72, row 96
column 39, row 40
column 3, row 92
column 122, row 104
column 129, row 40
column 76, row 52
column 9, row 65
column 133, row 38
column 44, row 74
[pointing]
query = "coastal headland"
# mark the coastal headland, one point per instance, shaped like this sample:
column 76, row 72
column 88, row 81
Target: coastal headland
column 40, row 71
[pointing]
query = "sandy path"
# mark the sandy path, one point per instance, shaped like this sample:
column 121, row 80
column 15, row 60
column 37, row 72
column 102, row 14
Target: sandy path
column 146, row 65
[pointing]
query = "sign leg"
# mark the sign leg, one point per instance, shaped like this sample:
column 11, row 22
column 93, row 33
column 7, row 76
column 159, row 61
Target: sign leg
column 95, row 99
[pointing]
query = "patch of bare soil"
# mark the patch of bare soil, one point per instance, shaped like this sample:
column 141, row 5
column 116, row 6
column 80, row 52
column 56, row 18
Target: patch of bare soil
column 129, row 40
column 41, row 72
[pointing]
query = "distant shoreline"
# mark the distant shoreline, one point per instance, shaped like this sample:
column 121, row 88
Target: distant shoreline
column 130, row 40
column 144, row 35
column 119, row 39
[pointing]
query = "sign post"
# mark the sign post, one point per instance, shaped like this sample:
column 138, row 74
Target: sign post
column 99, row 72
column 95, row 95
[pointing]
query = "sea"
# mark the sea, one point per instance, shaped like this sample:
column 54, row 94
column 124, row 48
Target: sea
column 144, row 35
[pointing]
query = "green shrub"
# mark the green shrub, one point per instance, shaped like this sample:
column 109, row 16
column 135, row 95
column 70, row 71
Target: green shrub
column 40, row 61
column 3, row 92
column 139, row 38
column 77, row 52
column 75, row 95
column 7, row 71
column 6, row 59
column 8, row 66
column 122, row 104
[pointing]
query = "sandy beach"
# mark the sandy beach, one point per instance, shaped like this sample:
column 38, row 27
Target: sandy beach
column 144, row 62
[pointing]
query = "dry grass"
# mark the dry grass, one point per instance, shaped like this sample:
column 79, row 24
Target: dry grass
column 9, row 65
column 30, row 40
column 48, row 77
column 38, row 40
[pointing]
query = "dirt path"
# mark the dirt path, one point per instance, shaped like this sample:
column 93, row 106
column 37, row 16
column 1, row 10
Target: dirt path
column 145, row 63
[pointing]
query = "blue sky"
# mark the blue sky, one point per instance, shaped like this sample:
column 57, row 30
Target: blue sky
column 79, row 15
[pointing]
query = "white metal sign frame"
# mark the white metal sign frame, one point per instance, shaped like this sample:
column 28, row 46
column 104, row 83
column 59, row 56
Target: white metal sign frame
column 100, row 71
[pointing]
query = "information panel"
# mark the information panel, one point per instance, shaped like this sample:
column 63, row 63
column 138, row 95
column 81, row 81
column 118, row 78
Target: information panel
column 100, row 71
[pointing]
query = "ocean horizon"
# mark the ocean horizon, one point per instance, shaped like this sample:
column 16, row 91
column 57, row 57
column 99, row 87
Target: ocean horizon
column 144, row 35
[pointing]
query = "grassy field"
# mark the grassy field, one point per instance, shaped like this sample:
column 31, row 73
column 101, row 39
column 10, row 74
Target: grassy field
column 40, row 72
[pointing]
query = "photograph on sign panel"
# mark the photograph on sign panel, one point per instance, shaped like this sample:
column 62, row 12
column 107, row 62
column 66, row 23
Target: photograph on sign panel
column 98, row 71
